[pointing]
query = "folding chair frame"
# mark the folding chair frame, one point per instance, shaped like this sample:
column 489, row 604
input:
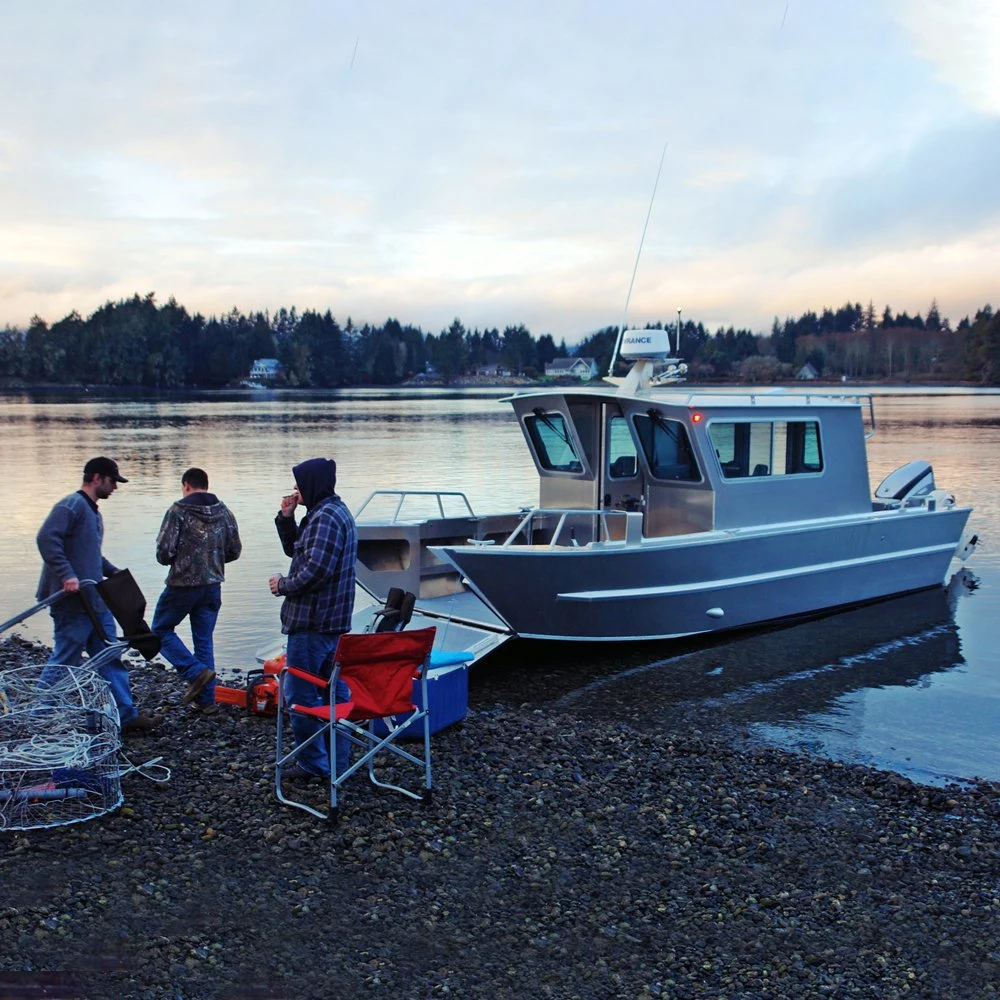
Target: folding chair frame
column 335, row 719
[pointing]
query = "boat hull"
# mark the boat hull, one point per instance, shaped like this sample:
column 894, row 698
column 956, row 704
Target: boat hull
column 711, row 581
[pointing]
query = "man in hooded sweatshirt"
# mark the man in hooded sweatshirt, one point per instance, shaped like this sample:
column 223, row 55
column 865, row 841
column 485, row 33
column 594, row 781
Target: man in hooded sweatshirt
column 197, row 538
column 319, row 599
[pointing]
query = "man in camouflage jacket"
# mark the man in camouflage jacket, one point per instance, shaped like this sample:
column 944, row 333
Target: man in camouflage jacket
column 197, row 538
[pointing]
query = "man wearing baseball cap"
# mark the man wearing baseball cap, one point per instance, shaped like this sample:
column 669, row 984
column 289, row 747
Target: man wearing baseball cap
column 70, row 545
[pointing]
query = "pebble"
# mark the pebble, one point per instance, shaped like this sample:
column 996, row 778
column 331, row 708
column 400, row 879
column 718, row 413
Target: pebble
column 557, row 859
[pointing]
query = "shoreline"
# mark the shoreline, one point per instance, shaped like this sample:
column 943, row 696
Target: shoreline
column 561, row 856
column 513, row 383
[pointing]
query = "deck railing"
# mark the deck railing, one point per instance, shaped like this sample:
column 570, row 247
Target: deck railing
column 404, row 495
column 567, row 519
column 631, row 535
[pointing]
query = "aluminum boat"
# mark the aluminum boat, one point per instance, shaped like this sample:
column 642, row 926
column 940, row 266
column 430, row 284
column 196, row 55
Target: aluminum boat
column 667, row 511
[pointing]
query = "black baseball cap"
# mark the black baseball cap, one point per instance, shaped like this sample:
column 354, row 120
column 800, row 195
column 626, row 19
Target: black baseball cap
column 102, row 467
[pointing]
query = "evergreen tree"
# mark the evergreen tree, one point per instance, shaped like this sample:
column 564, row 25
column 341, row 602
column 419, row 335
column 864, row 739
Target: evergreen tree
column 545, row 351
column 11, row 353
column 982, row 360
column 519, row 349
column 449, row 353
column 598, row 346
column 933, row 321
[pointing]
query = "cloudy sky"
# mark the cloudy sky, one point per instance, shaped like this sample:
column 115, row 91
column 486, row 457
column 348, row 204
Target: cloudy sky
column 497, row 161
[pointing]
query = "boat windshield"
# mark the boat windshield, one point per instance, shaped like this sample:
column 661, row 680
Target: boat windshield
column 666, row 447
column 551, row 440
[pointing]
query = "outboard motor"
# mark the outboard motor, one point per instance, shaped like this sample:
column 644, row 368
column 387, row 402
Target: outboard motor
column 908, row 483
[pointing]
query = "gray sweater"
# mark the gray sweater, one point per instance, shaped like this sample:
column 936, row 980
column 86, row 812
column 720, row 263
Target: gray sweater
column 70, row 543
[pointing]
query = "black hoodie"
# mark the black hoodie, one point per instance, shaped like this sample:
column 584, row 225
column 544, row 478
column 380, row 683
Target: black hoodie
column 316, row 480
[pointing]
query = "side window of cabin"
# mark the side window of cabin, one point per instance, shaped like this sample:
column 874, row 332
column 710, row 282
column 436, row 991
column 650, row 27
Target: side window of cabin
column 622, row 460
column 766, row 448
column 551, row 440
column 723, row 438
column 743, row 448
column 759, row 449
column 803, row 447
column 665, row 447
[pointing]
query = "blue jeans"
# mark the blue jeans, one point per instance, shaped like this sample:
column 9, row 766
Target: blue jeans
column 75, row 634
column 201, row 605
column 311, row 651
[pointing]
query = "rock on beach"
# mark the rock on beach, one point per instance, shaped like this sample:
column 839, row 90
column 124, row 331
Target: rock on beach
column 560, row 857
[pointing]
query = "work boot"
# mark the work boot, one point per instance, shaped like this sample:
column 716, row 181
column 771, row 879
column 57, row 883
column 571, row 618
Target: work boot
column 206, row 708
column 195, row 687
column 141, row 723
column 296, row 772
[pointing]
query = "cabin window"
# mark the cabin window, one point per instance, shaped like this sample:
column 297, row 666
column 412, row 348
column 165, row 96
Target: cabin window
column 767, row 448
column 666, row 447
column 804, row 453
column 550, row 437
column 622, row 457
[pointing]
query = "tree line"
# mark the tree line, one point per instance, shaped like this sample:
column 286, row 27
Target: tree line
column 850, row 342
column 136, row 342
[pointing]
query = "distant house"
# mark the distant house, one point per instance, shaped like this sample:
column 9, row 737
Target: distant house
column 582, row 368
column 264, row 369
column 807, row 372
column 491, row 369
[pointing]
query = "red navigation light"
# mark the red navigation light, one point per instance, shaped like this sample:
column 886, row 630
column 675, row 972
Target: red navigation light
column 696, row 418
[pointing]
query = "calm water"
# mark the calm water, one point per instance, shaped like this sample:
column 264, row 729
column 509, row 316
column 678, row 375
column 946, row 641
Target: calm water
column 908, row 685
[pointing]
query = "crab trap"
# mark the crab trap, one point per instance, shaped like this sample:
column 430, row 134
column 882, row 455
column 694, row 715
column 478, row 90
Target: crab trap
column 59, row 746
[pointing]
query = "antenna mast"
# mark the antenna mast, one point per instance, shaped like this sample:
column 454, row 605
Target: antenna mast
column 649, row 212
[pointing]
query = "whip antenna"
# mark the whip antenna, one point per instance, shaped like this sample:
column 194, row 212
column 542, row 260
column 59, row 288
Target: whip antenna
column 649, row 212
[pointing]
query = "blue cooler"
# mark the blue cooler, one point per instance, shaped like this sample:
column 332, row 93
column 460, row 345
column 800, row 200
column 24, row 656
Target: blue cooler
column 447, row 693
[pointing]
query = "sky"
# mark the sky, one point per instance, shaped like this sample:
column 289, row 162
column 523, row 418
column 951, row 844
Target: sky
column 501, row 162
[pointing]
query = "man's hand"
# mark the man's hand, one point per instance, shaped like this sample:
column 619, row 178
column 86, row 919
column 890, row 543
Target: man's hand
column 71, row 586
column 274, row 581
column 289, row 503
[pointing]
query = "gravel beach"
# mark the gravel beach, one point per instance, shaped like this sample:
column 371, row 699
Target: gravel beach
column 563, row 855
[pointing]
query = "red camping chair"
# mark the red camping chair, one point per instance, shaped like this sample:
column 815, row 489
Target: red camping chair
column 380, row 669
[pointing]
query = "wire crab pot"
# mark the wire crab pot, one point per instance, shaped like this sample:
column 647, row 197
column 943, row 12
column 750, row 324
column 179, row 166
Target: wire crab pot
column 59, row 745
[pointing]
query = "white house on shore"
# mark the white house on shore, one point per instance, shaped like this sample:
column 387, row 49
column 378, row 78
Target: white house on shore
column 265, row 368
column 582, row 368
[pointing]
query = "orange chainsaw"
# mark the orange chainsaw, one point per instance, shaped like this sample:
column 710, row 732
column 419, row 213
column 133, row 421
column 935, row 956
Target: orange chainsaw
column 260, row 693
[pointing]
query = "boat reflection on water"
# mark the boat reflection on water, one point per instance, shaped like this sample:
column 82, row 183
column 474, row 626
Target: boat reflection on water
column 854, row 686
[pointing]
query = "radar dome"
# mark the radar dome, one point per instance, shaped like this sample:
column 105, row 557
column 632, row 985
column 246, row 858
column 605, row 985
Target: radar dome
column 652, row 344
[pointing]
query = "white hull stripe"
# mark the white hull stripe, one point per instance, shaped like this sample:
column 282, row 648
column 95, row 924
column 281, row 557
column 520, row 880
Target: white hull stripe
column 629, row 593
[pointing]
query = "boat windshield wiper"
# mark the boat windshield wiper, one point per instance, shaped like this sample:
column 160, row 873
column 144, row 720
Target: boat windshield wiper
column 560, row 432
column 675, row 432
column 664, row 425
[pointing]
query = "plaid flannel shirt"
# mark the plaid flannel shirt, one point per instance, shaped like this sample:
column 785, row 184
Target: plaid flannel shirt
column 319, row 587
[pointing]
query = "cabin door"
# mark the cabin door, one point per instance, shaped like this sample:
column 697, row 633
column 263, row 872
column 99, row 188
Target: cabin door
column 620, row 476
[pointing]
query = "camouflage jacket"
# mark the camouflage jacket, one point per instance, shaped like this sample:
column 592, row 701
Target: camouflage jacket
column 197, row 538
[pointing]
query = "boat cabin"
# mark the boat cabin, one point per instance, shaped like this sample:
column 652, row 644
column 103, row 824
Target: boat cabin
column 690, row 462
